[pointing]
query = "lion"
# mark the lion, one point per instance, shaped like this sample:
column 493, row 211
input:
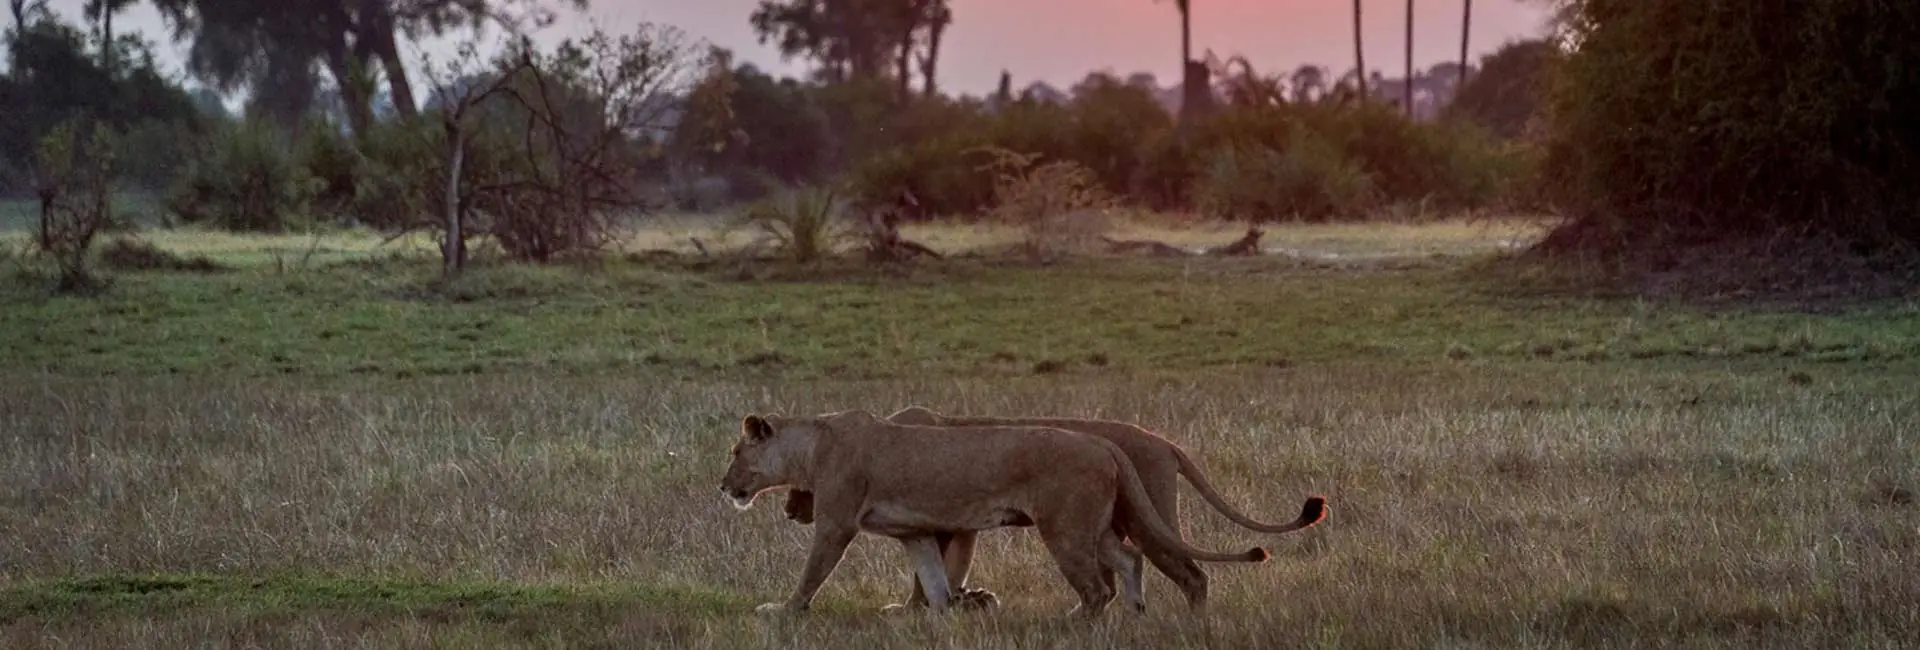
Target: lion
column 1158, row 461
column 912, row 482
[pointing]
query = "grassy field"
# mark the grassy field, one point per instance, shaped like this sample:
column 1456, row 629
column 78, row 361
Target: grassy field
column 341, row 452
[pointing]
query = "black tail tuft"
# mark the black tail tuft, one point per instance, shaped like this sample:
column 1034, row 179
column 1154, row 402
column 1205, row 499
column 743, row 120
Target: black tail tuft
column 1258, row 554
column 1314, row 511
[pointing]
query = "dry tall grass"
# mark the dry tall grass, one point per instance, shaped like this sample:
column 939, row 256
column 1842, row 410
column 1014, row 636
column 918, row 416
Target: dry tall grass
column 1473, row 506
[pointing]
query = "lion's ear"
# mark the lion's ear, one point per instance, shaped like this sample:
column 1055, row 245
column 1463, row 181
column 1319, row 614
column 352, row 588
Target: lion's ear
column 756, row 428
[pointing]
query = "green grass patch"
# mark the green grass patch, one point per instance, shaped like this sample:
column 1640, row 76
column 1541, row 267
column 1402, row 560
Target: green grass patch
column 171, row 594
column 963, row 317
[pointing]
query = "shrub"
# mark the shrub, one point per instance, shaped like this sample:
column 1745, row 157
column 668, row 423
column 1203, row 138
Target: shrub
column 76, row 189
column 1449, row 165
column 150, row 152
column 400, row 180
column 1110, row 121
column 250, row 180
column 1231, row 159
column 1060, row 204
column 1310, row 179
column 1708, row 119
column 803, row 223
column 329, row 158
column 1509, row 91
column 946, row 176
column 1165, row 176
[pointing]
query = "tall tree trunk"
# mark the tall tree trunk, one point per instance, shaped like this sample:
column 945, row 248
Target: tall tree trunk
column 1406, row 97
column 453, row 248
column 930, row 63
column 377, row 33
column 1359, row 54
column 1195, row 92
column 1186, row 32
column 284, row 92
column 903, row 65
column 106, row 38
column 1466, row 30
column 347, row 69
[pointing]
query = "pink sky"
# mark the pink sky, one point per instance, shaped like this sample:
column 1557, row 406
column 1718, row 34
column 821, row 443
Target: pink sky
column 1061, row 40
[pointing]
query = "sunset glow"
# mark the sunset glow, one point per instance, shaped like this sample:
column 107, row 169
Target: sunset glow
column 1059, row 41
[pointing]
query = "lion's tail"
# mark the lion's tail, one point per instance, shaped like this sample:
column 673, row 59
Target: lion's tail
column 1148, row 524
column 1312, row 512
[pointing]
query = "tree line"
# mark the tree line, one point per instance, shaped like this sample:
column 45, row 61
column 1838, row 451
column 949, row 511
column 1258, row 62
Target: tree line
column 1641, row 130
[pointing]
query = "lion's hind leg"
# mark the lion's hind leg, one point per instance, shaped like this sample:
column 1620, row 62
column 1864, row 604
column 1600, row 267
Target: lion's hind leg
column 930, row 570
column 1078, row 554
column 1117, row 557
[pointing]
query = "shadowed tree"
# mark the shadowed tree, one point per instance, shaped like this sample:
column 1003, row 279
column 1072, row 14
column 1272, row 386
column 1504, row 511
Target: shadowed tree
column 848, row 39
column 1359, row 53
column 938, row 17
column 381, row 23
column 241, row 43
column 101, row 12
column 26, row 11
column 270, row 49
column 1406, row 98
column 1195, row 84
column 1508, row 90
column 912, row 19
column 1466, row 31
column 857, row 40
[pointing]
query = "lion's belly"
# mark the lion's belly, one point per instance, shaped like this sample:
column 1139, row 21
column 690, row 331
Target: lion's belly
column 898, row 520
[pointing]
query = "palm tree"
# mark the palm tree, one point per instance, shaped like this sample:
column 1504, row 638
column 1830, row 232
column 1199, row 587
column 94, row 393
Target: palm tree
column 1466, row 28
column 101, row 12
column 1406, row 98
column 1359, row 54
column 1194, row 97
column 1309, row 83
column 1186, row 31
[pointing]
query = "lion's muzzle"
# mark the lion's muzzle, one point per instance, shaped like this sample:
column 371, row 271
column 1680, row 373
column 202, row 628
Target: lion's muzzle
column 741, row 499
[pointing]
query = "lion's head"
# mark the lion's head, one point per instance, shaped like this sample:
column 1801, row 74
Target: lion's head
column 775, row 451
column 763, row 458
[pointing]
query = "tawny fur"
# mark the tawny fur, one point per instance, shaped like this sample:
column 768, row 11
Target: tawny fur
column 1159, row 463
column 912, row 482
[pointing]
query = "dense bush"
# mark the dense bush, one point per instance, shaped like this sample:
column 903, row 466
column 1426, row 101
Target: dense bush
column 1308, row 179
column 1707, row 119
column 250, row 178
column 804, row 224
column 150, row 152
column 400, row 178
column 55, row 73
column 1059, row 205
column 1506, row 95
column 1314, row 161
column 77, row 168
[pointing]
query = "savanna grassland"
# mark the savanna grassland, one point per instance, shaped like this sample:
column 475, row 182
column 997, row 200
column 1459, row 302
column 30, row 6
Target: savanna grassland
column 321, row 445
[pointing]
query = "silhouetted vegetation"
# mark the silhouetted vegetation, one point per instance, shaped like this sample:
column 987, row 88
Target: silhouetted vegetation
column 1682, row 122
column 1753, row 121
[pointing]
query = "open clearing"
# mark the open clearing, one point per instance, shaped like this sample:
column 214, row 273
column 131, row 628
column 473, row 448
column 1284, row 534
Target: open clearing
column 336, row 451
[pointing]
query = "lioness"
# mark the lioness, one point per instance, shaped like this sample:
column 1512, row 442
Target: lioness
column 1159, row 463
column 912, row 482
